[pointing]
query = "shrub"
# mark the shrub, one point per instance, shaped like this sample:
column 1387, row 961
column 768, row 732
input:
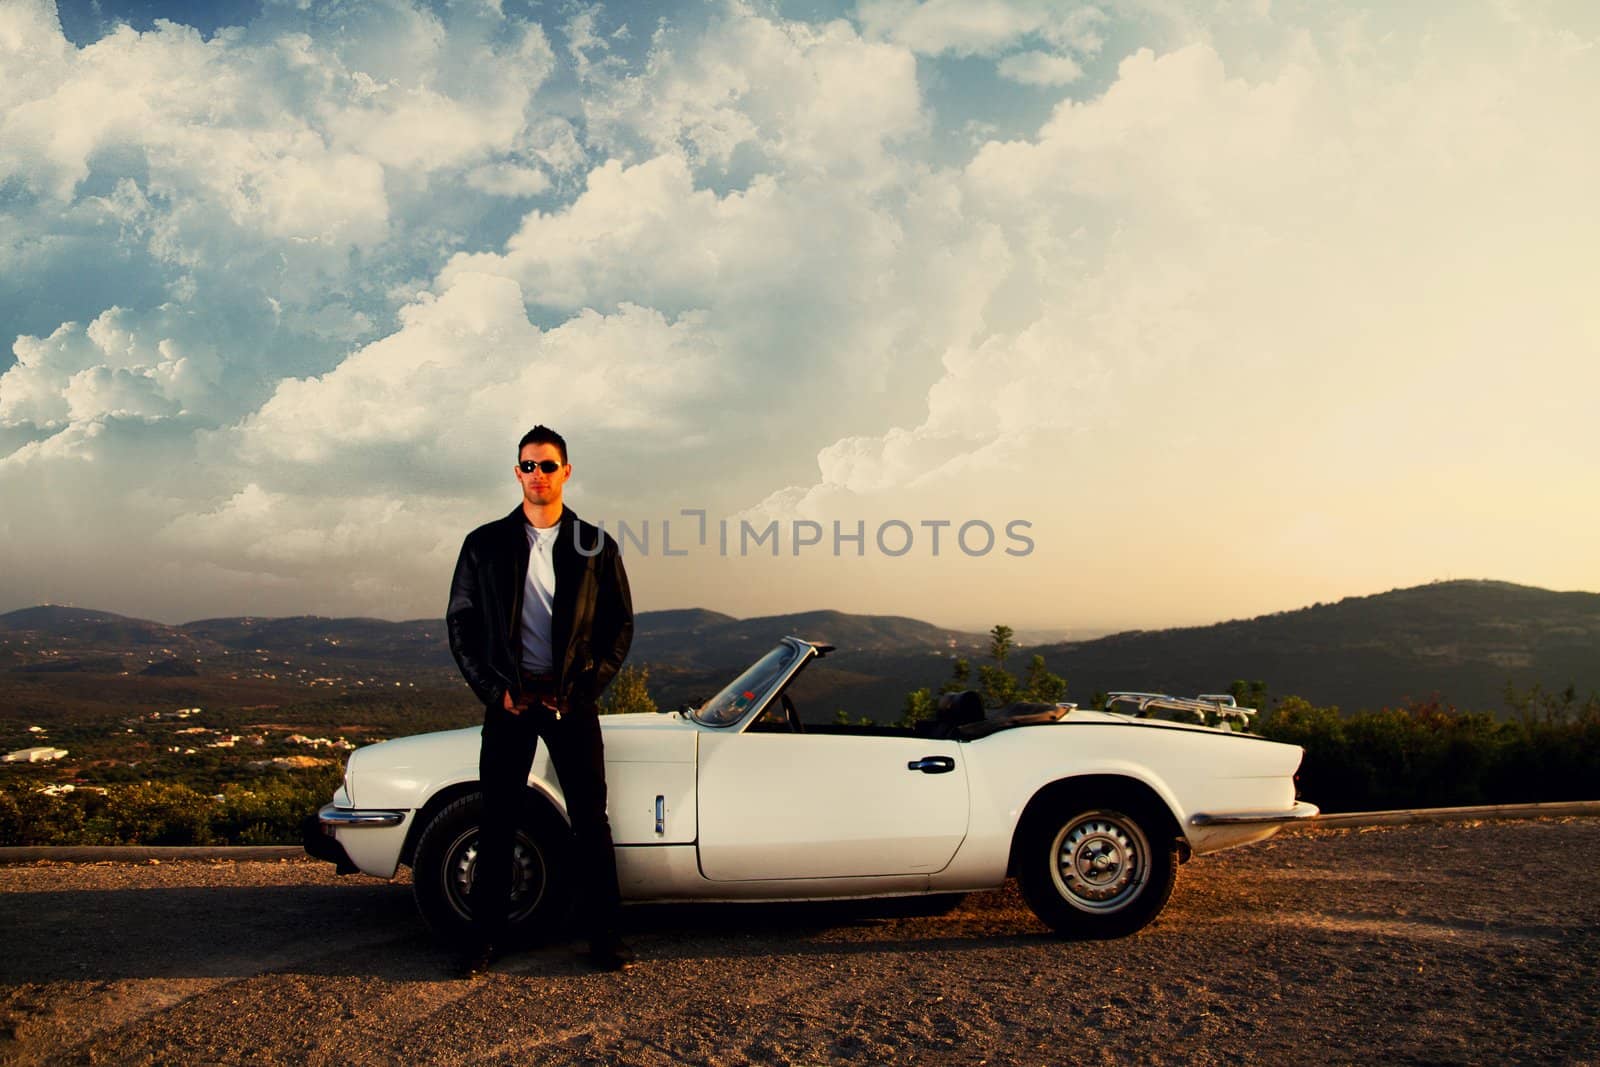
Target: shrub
column 262, row 812
column 1426, row 754
column 28, row 817
column 155, row 813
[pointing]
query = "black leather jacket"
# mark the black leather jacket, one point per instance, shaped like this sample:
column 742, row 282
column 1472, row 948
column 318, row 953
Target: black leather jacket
column 591, row 617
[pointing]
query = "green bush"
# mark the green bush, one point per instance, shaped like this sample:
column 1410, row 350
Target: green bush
column 154, row 813
column 28, row 817
column 270, row 813
column 1426, row 754
column 262, row 812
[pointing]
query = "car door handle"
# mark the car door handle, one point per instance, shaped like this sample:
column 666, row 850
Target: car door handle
column 932, row 765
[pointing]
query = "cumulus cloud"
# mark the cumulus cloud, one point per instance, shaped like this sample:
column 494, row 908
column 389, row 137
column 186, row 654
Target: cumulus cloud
column 794, row 97
column 1328, row 258
column 1195, row 246
column 508, row 179
column 420, row 408
column 162, row 362
column 253, row 168
column 1040, row 68
column 981, row 27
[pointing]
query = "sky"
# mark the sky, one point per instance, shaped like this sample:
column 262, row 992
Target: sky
column 1132, row 313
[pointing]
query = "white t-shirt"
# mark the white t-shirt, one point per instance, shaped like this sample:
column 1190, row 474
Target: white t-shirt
column 538, row 596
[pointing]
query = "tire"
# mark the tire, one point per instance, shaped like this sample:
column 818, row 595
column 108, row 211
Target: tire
column 443, row 868
column 1096, row 870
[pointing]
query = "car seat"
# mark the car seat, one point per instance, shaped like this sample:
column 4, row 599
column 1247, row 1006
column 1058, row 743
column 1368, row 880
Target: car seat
column 955, row 710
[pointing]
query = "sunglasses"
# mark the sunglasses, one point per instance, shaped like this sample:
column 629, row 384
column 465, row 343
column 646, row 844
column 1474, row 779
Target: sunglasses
column 528, row 466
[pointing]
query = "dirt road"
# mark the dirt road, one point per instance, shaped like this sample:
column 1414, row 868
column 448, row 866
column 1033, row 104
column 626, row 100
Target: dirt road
column 1427, row 944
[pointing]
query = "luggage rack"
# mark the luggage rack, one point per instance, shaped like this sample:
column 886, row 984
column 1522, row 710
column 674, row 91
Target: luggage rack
column 1221, row 705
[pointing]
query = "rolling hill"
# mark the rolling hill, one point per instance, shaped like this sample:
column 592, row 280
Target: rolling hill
column 1462, row 640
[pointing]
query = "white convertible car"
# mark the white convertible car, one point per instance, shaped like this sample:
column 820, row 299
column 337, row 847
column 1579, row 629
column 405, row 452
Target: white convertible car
column 1091, row 811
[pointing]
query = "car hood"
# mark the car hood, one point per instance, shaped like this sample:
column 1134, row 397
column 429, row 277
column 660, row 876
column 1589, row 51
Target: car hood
column 410, row 763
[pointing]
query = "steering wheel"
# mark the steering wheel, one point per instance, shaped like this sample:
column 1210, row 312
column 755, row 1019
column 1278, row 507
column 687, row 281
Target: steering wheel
column 791, row 714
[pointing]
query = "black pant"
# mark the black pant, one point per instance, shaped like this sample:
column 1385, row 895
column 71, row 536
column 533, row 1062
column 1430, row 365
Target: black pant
column 578, row 756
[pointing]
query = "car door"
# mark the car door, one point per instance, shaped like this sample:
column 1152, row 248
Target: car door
column 782, row 805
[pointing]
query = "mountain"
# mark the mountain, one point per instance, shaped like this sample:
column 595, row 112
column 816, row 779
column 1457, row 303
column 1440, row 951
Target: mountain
column 1462, row 640
column 697, row 639
column 85, row 627
column 420, row 641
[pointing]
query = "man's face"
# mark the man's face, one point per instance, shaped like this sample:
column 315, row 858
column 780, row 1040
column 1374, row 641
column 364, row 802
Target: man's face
column 538, row 488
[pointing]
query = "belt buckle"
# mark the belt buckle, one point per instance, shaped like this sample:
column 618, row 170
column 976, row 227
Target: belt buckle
column 546, row 683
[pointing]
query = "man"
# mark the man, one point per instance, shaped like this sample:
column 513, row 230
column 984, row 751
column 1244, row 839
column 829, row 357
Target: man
column 540, row 620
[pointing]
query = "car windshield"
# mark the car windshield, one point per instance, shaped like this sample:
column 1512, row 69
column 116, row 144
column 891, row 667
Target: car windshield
column 751, row 687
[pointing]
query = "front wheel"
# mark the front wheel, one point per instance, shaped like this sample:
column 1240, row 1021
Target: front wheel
column 1096, row 871
column 446, row 863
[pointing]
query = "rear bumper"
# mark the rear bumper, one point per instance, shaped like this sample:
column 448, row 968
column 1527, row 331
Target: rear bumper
column 1302, row 810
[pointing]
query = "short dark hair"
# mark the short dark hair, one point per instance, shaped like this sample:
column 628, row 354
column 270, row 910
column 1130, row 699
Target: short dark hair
column 543, row 435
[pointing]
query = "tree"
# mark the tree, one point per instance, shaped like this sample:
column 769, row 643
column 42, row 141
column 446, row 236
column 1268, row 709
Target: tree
column 919, row 705
column 960, row 676
column 999, row 687
column 1001, row 644
column 1249, row 694
column 628, row 692
column 1039, row 684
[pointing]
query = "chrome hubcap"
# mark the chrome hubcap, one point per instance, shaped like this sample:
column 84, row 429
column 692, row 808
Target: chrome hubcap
column 1100, row 861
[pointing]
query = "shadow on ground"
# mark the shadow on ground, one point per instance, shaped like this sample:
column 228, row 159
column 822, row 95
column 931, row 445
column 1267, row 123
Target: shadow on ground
column 373, row 929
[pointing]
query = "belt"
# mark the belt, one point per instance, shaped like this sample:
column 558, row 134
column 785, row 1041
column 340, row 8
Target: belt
column 540, row 683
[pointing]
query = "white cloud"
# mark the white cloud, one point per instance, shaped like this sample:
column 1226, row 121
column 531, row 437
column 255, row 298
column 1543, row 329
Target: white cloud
column 980, row 27
column 1309, row 277
column 507, row 179
column 1302, row 259
column 423, row 408
column 271, row 177
column 961, row 27
column 290, row 540
column 282, row 133
column 588, row 48
column 1040, row 68
column 796, row 97
column 646, row 232
column 160, row 363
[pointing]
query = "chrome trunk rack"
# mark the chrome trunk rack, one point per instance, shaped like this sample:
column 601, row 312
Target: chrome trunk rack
column 1142, row 705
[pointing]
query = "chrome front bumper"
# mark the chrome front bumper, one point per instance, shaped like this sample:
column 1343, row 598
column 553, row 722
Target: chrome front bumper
column 1302, row 810
column 332, row 818
column 321, row 840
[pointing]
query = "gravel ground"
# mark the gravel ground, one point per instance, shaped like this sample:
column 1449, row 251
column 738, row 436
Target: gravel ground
column 1458, row 943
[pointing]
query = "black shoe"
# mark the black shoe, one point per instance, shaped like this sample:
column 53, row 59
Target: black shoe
column 475, row 961
column 610, row 954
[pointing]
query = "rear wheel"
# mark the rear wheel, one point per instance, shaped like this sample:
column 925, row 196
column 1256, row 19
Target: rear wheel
column 1096, row 870
column 446, row 863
